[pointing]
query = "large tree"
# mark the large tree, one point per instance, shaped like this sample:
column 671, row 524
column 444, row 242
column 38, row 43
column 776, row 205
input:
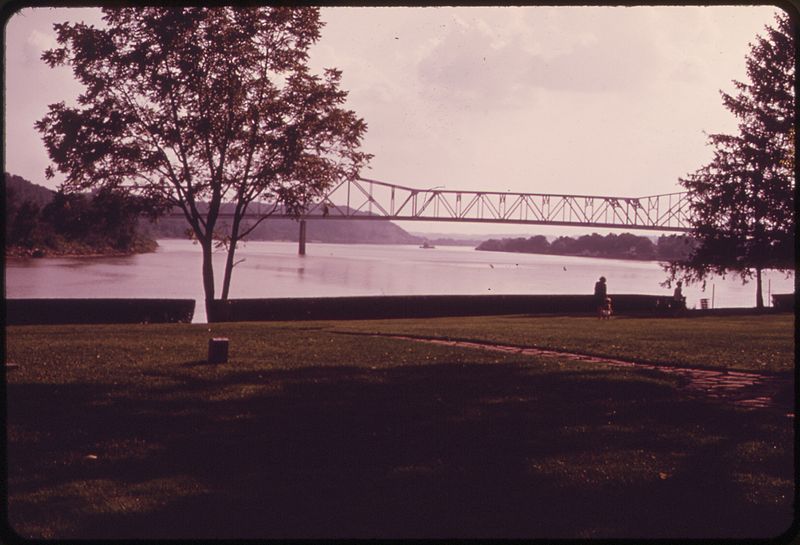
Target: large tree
column 742, row 202
column 205, row 110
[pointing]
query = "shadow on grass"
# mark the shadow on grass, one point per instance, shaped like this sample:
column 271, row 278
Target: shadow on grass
column 199, row 363
column 443, row 450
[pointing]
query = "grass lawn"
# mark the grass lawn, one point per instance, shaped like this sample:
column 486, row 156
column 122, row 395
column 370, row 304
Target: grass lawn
column 753, row 343
column 311, row 431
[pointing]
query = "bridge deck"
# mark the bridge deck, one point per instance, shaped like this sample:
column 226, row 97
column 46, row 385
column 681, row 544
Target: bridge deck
column 366, row 199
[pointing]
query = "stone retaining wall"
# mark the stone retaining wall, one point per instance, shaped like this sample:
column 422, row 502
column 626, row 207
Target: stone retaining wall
column 98, row 311
column 419, row 306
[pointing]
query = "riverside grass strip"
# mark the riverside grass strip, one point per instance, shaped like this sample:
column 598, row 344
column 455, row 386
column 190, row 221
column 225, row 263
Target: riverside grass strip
column 126, row 432
column 758, row 343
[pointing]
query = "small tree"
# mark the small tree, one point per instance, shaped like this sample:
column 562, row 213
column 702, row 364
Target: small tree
column 23, row 228
column 742, row 202
column 205, row 110
column 115, row 216
column 69, row 215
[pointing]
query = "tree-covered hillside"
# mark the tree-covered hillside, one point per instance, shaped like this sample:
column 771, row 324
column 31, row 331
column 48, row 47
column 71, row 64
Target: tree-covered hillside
column 41, row 222
column 624, row 246
column 317, row 230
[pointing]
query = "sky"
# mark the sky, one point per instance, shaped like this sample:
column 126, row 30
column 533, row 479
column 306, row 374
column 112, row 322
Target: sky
column 610, row 101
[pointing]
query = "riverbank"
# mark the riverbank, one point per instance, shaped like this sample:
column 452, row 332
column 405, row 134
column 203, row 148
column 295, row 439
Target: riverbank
column 427, row 306
column 273, row 270
column 754, row 342
column 53, row 311
column 311, row 431
column 611, row 246
column 72, row 249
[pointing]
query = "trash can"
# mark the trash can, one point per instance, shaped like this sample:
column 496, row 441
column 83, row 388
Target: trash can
column 218, row 350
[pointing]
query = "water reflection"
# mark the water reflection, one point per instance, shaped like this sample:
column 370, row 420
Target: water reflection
column 273, row 269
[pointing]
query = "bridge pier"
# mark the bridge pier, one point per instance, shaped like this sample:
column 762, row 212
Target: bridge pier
column 302, row 248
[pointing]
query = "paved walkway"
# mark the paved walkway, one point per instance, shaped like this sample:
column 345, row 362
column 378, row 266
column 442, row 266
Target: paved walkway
column 744, row 389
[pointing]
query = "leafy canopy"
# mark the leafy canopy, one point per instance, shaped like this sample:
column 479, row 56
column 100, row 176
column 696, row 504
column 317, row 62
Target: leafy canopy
column 203, row 110
column 193, row 104
column 743, row 200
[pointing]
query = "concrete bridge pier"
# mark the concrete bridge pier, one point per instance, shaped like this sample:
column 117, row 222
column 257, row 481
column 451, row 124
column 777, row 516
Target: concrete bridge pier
column 302, row 249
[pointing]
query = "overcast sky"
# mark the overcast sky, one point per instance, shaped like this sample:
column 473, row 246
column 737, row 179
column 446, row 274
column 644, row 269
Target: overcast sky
column 577, row 100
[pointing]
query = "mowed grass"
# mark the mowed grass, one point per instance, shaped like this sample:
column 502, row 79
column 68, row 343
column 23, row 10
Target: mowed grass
column 312, row 431
column 753, row 343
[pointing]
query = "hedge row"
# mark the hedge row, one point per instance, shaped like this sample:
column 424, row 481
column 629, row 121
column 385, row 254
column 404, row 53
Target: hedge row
column 98, row 311
column 783, row 301
column 419, row 306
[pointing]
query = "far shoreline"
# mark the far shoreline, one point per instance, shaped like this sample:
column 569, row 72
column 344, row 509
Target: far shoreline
column 48, row 253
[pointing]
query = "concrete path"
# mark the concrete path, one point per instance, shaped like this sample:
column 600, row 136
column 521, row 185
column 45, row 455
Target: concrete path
column 744, row 389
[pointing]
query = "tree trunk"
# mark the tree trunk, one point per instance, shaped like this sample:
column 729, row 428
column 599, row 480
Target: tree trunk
column 759, row 295
column 226, row 280
column 229, row 262
column 208, row 276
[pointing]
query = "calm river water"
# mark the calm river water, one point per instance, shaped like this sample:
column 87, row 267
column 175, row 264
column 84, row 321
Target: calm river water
column 273, row 269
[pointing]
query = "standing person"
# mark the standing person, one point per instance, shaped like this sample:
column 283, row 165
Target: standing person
column 600, row 292
column 679, row 299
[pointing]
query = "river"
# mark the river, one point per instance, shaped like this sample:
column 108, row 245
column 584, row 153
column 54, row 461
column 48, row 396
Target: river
column 274, row 269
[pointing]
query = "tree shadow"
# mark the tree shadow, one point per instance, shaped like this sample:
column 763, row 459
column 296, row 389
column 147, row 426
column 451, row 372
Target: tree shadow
column 199, row 363
column 432, row 451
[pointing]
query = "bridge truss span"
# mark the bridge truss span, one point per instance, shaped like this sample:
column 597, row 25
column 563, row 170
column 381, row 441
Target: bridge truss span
column 372, row 199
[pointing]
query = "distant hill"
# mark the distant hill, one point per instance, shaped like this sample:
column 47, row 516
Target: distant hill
column 317, row 230
column 40, row 222
column 337, row 231
column 21, row 190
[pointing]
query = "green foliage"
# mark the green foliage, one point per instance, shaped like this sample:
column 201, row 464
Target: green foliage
column 19, row 190
column 124, row 432
column 69, row 215
column 23, row 225
column 742, row 202
column 674, row 247
column 753, row 343
column 195, row 107
column 73, row 222
column 23, row 204
column 624, row 246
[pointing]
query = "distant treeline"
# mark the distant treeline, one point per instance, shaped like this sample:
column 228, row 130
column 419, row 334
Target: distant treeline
column 448, row 241
column 624, row 246
column 42, row 222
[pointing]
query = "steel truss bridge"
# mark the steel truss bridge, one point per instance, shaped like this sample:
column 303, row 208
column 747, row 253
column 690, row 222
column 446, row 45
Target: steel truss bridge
column 366, row 199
